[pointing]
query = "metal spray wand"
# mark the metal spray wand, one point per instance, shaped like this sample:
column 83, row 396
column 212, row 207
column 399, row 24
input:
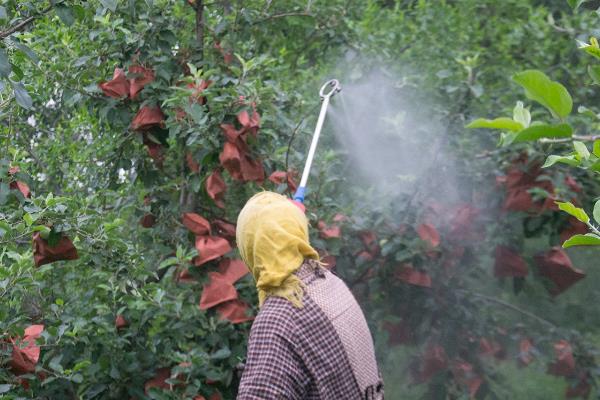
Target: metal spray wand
column 334, row 87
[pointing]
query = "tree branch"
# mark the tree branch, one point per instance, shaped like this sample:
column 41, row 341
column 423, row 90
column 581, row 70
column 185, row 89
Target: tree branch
column 186, row 197
column 583, row 138
column 200, row 24
column 24, row 23
column 510, row 306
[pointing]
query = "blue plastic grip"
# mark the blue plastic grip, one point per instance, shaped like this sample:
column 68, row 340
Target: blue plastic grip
column 299, row 195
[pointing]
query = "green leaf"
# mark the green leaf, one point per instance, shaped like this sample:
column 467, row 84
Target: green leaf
column 595, row 166
column 110, row 4
column 581, row 150
column 168, row 262
column 82, row 365
column 588, row 239
column 78, row 11
column 575, row 3
column 536, row 132
column 597, row 211
column 521, row 114
column 18, row 72
column 576, row 212
column 550, row 94
column 4, row 192
column 27, row 51
column 596, row 148
column 3, row 14
column 5, row 67
column 592, row 48
column 21, row 95
column 53, row 238
column 221, row 354
column 81, row 61
column 65, row 14
column 587, row 112
column 28, row 219
column 498, row 123
column 54, row 363
column 4, row 228
column 594, row 72
column 570, row 160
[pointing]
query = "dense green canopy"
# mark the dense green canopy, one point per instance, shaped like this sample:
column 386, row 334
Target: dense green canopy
column 456, row 165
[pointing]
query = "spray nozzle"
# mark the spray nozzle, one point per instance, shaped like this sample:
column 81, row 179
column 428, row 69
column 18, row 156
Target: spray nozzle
column 334, row 86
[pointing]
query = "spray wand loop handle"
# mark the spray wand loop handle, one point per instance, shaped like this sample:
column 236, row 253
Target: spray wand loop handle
column 335, row 87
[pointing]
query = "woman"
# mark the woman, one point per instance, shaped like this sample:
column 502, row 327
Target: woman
column 310, row 339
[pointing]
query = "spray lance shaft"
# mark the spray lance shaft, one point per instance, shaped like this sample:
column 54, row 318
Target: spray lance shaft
column 334, row 87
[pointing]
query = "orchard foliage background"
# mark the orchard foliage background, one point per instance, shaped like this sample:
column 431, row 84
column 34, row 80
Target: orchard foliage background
column 134, row 130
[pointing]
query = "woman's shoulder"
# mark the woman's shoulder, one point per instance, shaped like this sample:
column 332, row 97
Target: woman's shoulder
column 277, row 315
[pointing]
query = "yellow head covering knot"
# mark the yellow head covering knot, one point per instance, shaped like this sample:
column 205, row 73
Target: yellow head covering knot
column 272, row 236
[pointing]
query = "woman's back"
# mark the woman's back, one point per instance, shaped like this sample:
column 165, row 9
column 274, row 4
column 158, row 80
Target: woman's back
column 322, row 350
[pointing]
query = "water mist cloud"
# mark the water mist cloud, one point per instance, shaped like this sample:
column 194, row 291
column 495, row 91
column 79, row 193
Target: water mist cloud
column 393, row 144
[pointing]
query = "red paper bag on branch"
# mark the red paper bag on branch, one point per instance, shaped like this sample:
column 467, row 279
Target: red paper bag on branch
column 434, row 360
column 120, row 322
column 525, row 352
column 191, row 163
column 233, row 270
column 574, row 227
column 508, row 263
column 25, row 352
column 407, row 273
column 281, row 177
column 148, row 221
column 369, row 240
column 43, row 253
column 159, row 380
column 197, row 89
column 117, row 87
column 398, row 333
column 196, row 224
column 217, row 291
column 329, row 231
column 556, row 266
column 224, row 229
column 581, row 389
column 210, row 248
column 235, row 311
column 148, row 118
column 564, row 364
column 18, row 185
column 215, row 187
column 465, row 375
column 142, row 77
column 429, row 234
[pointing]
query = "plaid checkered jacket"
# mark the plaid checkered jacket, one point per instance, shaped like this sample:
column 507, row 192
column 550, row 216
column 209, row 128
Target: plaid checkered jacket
column 323, row 351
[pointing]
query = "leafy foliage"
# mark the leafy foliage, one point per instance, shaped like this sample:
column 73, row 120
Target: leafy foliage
column 135, row 130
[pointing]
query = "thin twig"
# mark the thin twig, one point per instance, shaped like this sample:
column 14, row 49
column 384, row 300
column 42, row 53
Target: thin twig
column 267, row 5
column 284, row 15
column 6, row 102
column 287, row 152
column 360, row 277
column 510, row 306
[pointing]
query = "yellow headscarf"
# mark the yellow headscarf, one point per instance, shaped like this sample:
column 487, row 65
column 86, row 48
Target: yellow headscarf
column 272, row 236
